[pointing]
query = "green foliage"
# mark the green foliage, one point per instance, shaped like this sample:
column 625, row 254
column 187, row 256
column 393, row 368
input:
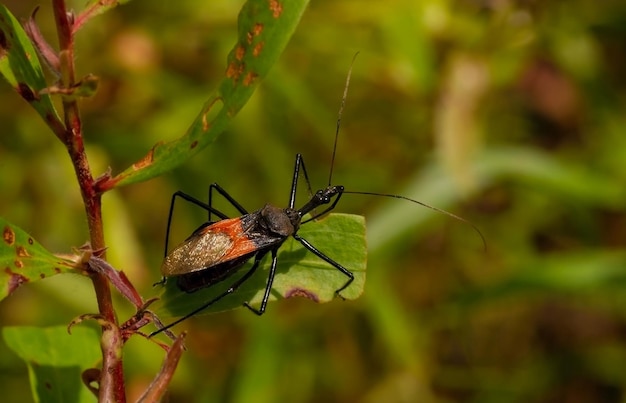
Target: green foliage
column 55, row 360
column 264, row 29
column 298, row 272
column 24, row 260
column 20, row 66
column 564, row 274
column 509, row 114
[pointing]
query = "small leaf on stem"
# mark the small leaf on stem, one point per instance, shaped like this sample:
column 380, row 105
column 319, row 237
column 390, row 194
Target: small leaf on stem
column 264, row 29
column 22, row 259
column 20, row 66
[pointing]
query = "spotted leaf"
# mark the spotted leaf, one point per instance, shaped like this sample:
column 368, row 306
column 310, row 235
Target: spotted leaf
column 22, row 259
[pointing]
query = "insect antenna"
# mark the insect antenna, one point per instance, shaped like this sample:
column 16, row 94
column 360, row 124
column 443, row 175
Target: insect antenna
column 343, row 104
column 441, row 211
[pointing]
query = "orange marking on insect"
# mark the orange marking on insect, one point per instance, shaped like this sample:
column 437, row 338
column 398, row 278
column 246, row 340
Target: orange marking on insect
column 241, row 244
column 212, row 245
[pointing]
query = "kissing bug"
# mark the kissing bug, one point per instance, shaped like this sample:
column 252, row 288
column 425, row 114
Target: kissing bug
column 218, row 249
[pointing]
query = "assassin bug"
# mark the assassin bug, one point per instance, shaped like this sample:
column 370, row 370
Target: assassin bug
column 216, row 250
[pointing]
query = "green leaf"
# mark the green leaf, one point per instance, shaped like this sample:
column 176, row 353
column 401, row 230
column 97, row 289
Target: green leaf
column 56, row 360
column 22, row 259
column 299, row 272
column 264, row 28
column 574, row 273
column 94, row 8
column 20, row 66
column 98, row 7
column 536, row 168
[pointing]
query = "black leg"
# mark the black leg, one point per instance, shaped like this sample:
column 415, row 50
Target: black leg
column 229, row 291
column 299, row 167
column 208, row 207
column 268, row 286
column 328, row 260
column 191, row 200
column 225, row 195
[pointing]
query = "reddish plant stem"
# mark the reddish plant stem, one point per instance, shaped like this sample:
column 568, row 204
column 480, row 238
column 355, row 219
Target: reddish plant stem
column 112, row 380
column 91, row 11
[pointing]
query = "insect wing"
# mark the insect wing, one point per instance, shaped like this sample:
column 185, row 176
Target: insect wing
column 299, row 272
column 208, row 246
column 193, row 281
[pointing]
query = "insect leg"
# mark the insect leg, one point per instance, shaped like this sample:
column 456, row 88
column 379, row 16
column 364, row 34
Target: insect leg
column 328, row 260
column 225, row 195
column 268, row 287
column 296, row 176
column 229, row 291
column 192, row 200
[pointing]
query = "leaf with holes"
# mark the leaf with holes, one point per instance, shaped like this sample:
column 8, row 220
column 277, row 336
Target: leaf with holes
column 264, row 28
column 22, row 259
column 299, row 273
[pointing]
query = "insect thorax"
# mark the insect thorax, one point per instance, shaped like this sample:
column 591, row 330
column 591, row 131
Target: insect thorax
column 279, row 221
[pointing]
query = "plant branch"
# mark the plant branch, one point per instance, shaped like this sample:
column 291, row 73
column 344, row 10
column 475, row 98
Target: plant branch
column 112, row 381
column 91, row 11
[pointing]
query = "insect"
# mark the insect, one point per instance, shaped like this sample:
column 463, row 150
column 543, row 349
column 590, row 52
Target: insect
column 218, row 249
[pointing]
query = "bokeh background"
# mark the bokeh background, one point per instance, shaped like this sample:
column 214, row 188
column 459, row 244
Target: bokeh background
column 508, row 113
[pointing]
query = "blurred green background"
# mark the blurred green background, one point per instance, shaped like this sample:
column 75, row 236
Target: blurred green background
column 507, row 113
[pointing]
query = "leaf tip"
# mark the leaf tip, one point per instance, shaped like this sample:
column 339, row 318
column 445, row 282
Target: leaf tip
column 14, row 280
